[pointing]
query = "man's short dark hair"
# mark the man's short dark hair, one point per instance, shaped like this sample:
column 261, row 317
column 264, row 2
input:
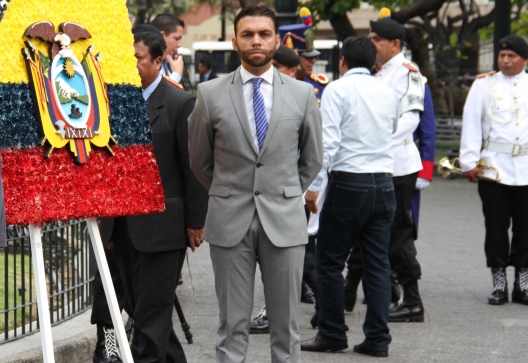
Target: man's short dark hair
column 154, row 42
column 167, row 23
column 256, row 10
column 206, row 61
column 359, row 52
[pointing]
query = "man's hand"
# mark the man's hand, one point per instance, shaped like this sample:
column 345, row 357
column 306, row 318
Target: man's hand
column 311, row 199
column 195, row 236
column 472, row 174
column 176, row 63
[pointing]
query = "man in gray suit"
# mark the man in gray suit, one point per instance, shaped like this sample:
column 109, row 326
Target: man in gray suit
column 255, row 143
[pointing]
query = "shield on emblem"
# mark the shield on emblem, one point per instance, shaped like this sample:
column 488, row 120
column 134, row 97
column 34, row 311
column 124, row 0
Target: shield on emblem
column 70, row 89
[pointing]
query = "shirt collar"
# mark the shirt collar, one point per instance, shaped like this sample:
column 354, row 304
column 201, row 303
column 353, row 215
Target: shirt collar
column 247, row 76
column 516, row 77
column 397, row 60
column 357, row 70
column 151, row 87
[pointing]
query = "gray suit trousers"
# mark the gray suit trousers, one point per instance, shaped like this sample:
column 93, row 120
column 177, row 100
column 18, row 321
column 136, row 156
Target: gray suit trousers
column 281, row 270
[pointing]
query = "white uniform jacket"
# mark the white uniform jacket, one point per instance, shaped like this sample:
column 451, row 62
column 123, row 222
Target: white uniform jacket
column 495, row 127
column 406, row 155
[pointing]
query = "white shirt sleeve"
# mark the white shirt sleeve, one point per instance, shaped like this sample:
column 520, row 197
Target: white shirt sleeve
column 471, row 141
column 332, row 115
column 175, row 77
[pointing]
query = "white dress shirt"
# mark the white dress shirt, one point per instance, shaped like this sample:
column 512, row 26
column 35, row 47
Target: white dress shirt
column 151, row 87
column 266, row 88
column 502, row 101
column 165, row 70
column 406, row 155
column 359, row 116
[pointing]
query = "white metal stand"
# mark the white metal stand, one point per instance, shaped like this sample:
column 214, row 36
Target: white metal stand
column 42, row 295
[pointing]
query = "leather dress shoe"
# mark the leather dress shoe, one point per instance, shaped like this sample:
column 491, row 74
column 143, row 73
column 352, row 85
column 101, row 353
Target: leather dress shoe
column 364, row 348
column 106, row 347
column 307, row 295
column 319, row 344
column 259, row 325
column 402, row 313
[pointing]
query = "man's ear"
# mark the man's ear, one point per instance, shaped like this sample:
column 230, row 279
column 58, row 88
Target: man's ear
column 233, row 41
column 157, row 62
column 277, row 42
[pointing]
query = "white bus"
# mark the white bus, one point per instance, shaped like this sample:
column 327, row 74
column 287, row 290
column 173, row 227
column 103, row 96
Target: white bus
column 225, row 60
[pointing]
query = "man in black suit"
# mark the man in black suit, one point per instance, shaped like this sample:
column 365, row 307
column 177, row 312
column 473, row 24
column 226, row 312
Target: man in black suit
column 151, row 248
column 205, row 68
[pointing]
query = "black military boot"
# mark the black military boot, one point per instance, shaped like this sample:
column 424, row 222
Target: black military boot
column 259, row 325
column 499, row 296
column 396, row 289
column 352, row 281
column 520, row 290
column 106, row 347
column 410, row 307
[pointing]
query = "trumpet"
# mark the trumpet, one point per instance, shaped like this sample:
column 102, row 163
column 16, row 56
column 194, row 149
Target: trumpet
column 446, row 168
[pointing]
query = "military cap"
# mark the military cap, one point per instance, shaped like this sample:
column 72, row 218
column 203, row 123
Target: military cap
column 286, row 56
column 388, row 28
column 515, row 43
column 300, row 37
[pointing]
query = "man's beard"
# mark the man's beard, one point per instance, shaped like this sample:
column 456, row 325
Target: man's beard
column 268, row 56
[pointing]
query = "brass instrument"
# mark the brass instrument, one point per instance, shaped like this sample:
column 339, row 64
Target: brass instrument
column 446, row 168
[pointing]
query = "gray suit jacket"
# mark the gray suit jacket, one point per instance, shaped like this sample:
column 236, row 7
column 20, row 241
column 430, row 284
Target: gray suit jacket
column 241, row 180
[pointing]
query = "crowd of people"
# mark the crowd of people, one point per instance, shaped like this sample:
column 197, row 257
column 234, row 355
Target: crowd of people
column 274, row 166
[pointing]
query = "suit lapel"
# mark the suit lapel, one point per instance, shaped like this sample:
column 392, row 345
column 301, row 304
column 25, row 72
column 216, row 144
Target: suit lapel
column 155, row 102
column 279, row 96
column 237, row 97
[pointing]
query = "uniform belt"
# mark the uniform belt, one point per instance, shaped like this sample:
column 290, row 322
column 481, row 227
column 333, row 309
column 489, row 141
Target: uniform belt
column 510, row 149
column 407, row 141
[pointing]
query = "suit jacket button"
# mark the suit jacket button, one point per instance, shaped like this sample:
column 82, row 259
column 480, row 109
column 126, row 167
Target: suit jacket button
column 259, row 165
column 257, row 193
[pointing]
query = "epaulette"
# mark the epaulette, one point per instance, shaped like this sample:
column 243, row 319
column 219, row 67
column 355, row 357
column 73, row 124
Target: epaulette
column 484, row 75
column 411, row 67
column 319, row 78
column 174, row 83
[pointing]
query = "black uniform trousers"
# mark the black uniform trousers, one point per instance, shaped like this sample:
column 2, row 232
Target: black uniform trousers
column 505, row 205
column 100, row 310
column 149, row 282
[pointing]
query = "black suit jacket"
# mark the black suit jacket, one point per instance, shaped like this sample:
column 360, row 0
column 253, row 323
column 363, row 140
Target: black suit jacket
column 168, row 109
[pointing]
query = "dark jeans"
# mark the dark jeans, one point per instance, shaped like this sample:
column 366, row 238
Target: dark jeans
column 358, row 207
column 504, row 205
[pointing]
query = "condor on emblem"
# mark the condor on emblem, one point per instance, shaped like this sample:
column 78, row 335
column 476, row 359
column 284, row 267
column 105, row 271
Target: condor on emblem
column 71, row 96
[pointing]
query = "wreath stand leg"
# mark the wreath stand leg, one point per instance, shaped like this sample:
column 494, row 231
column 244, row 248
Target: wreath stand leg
column 106, row 278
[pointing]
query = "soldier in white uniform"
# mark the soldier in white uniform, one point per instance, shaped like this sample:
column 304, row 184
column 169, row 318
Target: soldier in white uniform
column 405, row 79
column 495, row 130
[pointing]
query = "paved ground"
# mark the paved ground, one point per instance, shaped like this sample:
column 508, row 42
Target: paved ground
column 459, row 327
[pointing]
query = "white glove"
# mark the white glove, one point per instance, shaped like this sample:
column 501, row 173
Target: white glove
column 422, row 183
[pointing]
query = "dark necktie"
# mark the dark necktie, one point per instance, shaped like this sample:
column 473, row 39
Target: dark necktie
column 260, row 112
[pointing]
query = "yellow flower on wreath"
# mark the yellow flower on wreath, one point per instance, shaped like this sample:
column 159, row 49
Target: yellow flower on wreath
column 107, row 21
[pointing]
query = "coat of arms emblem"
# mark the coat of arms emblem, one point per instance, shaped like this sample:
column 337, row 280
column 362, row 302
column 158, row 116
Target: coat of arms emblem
column 70, row 96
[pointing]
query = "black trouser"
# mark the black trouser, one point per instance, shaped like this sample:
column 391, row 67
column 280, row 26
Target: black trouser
column 100, row 310
column 504, row 205
column 149, row 281
column 402, row 253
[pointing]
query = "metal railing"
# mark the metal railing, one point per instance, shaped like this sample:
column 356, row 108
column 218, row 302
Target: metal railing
column 69, row 266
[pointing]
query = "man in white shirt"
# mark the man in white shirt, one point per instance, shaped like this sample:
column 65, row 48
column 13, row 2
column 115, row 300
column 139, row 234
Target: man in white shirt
column 360, row 202
column 171, row 27
column 406, row 81
column 495, row 130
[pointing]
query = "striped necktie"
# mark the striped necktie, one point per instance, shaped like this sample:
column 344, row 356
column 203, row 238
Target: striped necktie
column 260, row 112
